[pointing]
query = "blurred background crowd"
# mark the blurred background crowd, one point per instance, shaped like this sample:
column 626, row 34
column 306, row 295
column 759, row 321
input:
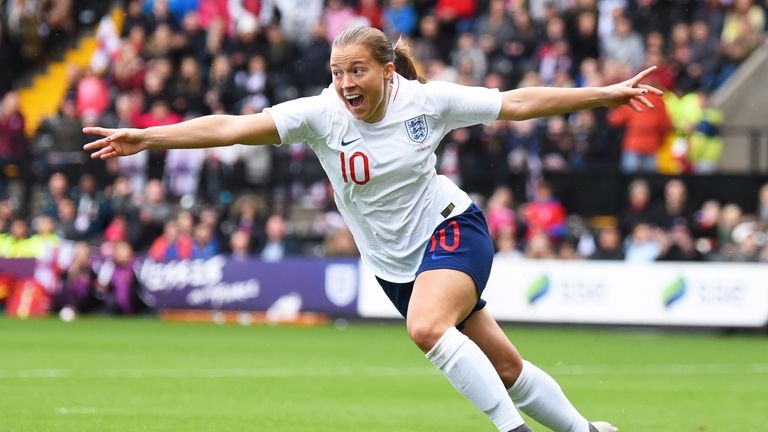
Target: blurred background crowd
column 164, row 61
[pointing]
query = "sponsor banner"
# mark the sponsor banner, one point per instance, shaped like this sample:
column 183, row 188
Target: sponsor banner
column 372, row 302
column 691, row 294
column 282, row 288
column 590, row 292
column 18, row 267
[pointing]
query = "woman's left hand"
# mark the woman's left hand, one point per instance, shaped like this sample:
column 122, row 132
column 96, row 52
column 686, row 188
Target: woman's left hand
column 632, row 92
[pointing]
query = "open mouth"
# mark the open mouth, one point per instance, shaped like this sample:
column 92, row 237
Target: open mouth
column 355, row 100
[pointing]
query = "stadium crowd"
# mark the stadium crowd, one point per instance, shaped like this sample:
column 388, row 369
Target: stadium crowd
column 176, row 59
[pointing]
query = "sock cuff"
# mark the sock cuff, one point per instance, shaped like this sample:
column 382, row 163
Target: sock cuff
column 448, row 344
column 522, row 380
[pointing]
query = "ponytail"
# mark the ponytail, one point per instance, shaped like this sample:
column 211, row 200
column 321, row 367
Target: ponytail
column 405, row 64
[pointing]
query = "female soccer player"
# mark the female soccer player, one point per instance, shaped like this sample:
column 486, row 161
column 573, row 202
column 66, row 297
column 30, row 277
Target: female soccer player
column 375, row 131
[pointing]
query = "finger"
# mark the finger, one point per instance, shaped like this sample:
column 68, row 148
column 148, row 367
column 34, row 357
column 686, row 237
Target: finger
column 632, row 104
column 96, row 144
column 651, row 89
column 95, row 130
column 641, row 76
column 101, row 152
column 109, row 155
column 644, row 101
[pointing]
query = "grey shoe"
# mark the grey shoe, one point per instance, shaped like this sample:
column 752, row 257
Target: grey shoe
column 522, row 428
column 601, row 426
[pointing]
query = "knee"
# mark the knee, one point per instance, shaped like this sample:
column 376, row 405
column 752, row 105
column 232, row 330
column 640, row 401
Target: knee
column 425, row 335
column 509, row 371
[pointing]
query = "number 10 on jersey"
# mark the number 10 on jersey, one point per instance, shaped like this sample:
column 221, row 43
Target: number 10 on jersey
column 353, row 165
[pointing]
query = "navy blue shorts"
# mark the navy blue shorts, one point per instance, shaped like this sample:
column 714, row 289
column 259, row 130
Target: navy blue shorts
column 459, row 243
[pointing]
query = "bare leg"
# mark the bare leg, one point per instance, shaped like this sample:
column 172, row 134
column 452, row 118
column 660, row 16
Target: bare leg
column 440, row 300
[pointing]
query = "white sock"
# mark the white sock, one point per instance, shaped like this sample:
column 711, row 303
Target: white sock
column 473, row 375
column 538, row 395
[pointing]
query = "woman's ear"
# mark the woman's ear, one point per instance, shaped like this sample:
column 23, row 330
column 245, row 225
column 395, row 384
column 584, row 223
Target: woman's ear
column 389, row 71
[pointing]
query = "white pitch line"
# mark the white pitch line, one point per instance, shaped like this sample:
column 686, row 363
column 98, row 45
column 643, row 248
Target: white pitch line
column 300, row 372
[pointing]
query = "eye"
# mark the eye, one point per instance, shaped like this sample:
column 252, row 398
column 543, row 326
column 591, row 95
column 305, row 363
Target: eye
column 336, row 73
column 358, row 71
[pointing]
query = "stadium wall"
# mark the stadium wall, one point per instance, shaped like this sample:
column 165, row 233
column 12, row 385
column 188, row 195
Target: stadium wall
column 584, row 292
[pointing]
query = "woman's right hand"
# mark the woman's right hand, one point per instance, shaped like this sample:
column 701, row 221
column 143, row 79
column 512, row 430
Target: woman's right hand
column 116, row 142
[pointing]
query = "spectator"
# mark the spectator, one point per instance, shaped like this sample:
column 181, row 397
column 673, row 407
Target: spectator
column 675, row 208
column 371, row 11
column 539, row 247
column 240, row 245
column 624, row 45
column 92, row 96
column 703, row 65
column 644, row 134
column 205, row 245
column 506, row 244
column 278, row 244
column 337, row 17
column 92, row 213
column 65, row 217
column 500, row 212
column 181, row 249
column 469, row 58
column 643, row 245
column 281, row 56
column 182, row 171
column 311, row 59
column 154, row 211
column 705, row 142
column 15, row 243
column 678, row 245
column 583, row 41
column 13, row 142
column 730, row 217
column 705, row 227
column 305, row 14
column 78, row 281
column 762, row 206
column 59, row 142
column 188, row 89
column 545, row 214
column 339, row 243
column 639, row 209
column 400, row 18
column 159, row 250
column 742, row 33
column 609, row 244
column 494, row 28
column 116, row 282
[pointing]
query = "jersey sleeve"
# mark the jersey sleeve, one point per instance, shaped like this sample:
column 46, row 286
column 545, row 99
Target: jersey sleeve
column 462, row 106
column 299, row 120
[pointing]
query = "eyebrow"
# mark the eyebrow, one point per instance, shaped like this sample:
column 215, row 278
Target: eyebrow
column 354, row 63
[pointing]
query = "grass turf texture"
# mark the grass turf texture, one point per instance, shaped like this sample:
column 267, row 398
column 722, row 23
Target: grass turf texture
column 101, row 374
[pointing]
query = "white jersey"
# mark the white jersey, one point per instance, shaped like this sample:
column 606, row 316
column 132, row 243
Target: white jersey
column 383, row 174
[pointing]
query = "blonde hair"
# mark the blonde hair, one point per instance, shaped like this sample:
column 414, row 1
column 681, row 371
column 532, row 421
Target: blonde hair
column 382, row 50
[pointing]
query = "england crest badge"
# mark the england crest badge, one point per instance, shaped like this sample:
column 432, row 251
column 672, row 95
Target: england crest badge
column 417, row 128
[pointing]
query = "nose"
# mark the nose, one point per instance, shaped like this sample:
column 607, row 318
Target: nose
column 347, row 82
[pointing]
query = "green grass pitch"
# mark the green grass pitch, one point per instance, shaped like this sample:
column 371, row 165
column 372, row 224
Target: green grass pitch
column 102, row 374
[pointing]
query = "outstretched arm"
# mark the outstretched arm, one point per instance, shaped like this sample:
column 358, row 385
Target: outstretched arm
column 201, row 132
column 530, row 102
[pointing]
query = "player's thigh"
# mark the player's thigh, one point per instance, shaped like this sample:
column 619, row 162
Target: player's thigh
column 441, row 299
column 483, row 329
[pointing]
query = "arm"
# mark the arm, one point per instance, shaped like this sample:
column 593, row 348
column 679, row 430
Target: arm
column 201, row 132
column 530, row 102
